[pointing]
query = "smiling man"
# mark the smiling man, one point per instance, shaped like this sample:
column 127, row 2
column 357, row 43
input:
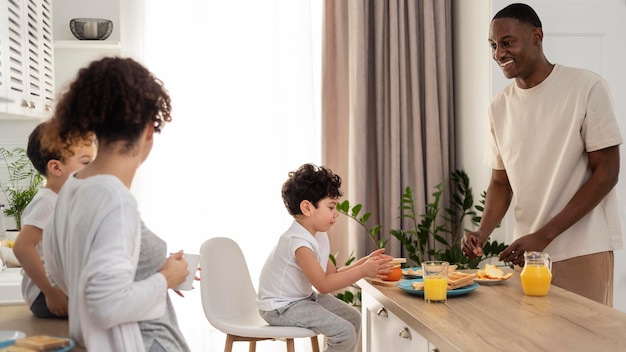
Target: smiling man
column 553, row 148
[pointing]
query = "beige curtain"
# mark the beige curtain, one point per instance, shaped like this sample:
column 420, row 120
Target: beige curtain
column 387, row 113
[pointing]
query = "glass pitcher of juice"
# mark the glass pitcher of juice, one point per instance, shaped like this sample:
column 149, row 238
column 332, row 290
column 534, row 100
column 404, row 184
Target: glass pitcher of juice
column 537, row 273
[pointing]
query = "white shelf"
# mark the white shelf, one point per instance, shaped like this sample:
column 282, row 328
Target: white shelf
column 71, row 55
column 87, row 44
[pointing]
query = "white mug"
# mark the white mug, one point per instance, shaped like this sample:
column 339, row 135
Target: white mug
column 192, row 266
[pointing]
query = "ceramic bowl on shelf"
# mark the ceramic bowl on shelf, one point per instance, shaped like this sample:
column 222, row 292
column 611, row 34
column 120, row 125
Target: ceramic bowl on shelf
column 91, row 28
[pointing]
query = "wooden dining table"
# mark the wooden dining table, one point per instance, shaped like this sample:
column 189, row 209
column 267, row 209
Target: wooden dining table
column 18, row 317
column 501, row 318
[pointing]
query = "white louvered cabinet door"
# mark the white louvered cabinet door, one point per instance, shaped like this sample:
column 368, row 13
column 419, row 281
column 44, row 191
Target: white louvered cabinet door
column 26, row 58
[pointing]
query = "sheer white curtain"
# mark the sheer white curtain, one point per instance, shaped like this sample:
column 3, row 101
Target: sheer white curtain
column 244, row 80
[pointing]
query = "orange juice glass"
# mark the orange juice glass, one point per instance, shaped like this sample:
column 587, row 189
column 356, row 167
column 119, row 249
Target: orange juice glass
column 435, row 275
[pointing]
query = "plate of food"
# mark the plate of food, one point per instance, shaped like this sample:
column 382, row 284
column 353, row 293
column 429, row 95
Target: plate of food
column 418, row 288
column 491, row 275
column 414, row 272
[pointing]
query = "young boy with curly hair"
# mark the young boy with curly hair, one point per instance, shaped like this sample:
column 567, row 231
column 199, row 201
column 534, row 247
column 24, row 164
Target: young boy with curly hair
column 300, row 262
column 55, row 163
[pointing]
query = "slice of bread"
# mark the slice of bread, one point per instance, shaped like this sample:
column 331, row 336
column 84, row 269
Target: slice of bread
column 491, row 272
column 418, row 285
column 41, row 342
column 458, row 279
column 398, row 260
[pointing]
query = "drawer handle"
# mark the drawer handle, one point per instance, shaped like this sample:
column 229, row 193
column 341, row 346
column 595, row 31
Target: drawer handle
column 382, row 312
column 405, row 333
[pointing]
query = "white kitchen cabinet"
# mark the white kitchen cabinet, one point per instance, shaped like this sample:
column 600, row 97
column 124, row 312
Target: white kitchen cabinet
column 384, row 331
column 26, row 58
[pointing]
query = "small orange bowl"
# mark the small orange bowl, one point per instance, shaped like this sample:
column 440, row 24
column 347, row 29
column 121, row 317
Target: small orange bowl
column 395, row 274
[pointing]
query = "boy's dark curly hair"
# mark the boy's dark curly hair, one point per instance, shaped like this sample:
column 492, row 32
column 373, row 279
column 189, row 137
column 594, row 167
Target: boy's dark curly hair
column 40, row 154
column 115, row 99
column 312, row 183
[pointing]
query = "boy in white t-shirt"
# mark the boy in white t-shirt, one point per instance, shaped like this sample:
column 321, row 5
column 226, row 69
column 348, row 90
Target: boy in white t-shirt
column 56, row 164
column 300, row 262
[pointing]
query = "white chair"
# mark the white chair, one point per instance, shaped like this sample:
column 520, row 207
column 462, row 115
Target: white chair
column 229, row 298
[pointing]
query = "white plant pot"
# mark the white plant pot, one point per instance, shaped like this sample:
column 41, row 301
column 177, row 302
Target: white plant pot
column 6, row 253
column 11, row 235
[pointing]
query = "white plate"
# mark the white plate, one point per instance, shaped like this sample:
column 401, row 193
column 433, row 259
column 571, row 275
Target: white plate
column 7, row 336
column 11, row 335
column 489, row 281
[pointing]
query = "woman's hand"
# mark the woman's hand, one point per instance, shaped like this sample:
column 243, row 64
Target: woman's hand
column 175, row 270
column 178, row 292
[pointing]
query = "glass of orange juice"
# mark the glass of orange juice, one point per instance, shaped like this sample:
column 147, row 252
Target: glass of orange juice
column 435, row 274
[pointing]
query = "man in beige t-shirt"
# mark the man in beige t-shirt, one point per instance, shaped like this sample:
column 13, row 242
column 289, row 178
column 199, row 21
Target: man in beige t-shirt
column 553, row 149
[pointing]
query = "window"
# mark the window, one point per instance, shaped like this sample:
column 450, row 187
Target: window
column 244, row 81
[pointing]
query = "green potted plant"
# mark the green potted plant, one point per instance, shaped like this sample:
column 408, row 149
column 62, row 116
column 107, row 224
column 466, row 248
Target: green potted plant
column 21, row 185
column 441, row 224
column 352, row 294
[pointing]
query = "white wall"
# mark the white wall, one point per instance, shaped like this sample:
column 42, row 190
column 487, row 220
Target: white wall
column 472, row 91
column 472, row 74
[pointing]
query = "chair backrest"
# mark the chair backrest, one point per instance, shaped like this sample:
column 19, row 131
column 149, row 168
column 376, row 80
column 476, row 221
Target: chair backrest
column 226, row 288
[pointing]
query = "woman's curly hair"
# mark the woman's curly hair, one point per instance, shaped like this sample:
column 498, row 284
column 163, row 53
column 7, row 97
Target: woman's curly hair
column 312, row 183
column 115, row 99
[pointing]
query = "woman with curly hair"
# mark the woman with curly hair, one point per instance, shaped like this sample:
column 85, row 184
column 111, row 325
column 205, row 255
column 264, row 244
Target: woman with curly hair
column 96, row 248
